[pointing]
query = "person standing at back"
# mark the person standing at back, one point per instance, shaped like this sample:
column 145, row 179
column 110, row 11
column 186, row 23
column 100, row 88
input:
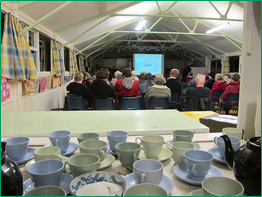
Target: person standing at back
column 127, row 87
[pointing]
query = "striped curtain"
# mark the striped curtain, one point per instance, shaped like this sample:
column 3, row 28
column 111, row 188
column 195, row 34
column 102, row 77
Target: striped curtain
column 73, row 63
column 16, row 59
column 81, row 63
column 58, row 64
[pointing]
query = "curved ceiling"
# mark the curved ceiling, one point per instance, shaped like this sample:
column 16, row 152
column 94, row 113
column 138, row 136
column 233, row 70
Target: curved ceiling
column 98, row 28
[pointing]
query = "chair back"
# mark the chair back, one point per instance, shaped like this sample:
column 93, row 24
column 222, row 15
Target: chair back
column 104, row 104
column 130, row 103
column 216, row 95
column 174, row 97
column 159, row 102
column 199, row 104
column 74, row 103
column 232, row 100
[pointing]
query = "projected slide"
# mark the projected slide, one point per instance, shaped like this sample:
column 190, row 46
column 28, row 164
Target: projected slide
column 149, row 62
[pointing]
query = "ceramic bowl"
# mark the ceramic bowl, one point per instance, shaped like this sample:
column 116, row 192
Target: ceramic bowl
column 46, row 191
column 94, row 178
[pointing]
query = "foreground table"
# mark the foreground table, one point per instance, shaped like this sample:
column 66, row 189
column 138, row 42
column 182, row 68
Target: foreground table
column 181, row 188
column 136, row 122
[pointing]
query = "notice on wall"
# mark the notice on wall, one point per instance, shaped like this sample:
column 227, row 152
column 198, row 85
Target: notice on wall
column 5, row 89
column 28, row 86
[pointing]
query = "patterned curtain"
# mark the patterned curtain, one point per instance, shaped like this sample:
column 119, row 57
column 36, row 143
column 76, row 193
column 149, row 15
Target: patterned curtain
column 16, row 57
column 73, row 63
column 81, row 63
column 58, row 64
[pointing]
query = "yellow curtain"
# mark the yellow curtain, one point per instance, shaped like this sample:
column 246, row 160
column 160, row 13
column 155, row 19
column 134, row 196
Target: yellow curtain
column 58, row 64
column 75, row 62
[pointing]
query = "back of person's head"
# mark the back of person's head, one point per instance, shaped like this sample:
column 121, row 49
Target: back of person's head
column 148, row 76
column 133, row 73
column 235, row 77
column 174, row 72
column 142, row 74
column 118, row 74
column 103, row 73
column 160, row 80
column 127, row 72
column 200, row 79
column 79, row 76
column 158, row 74
column 219, row 76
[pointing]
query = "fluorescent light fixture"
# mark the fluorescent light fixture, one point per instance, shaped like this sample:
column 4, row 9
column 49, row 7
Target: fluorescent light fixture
column 140, row 25
column 218, row 28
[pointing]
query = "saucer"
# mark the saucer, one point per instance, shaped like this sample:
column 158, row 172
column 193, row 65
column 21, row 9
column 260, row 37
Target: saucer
column 64, row 183
column 197, row 192
column 164, row 155
column 109, row 159
column 72, row 147
column 169, row 144
column 181, row 172
column 28, row 156
column 64, row 159
column 110, row 151
column 216, row 155
column 166, row 183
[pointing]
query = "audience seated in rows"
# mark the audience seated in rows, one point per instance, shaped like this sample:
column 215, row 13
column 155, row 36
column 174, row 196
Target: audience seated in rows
column 210, row 81
column 127, row 86
column 220, row 84
column 145, row 84
column 117, row 76
column 101, row 88
column 134, row 75
column 172, row 82
column 86, row 79
column 76, row 88
column 158, row 90
column 199, row 90
column 231, row 88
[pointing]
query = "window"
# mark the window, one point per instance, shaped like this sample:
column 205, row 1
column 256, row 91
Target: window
column 77, row 60
column 44, row 47
column 31, row 39
column 67, row 58
column 2, row 24
column 234, row 64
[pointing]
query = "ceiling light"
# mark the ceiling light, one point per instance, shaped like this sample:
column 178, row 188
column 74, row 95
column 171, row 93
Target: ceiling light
column 218, row 28
column 140, row 25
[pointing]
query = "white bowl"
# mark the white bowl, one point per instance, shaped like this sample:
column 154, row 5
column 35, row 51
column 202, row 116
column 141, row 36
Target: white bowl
column 115, row 182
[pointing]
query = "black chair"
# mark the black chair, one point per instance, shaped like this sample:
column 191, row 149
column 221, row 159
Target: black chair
column 104, row 104
column 199, row 104
column 129, row 103
column 231, row 102
column 159, row 102
column 215, row 99
column 74, row 103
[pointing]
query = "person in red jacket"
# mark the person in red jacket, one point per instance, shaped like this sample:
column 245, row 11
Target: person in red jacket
column 127, row 86
column 220, row 84
column 232, row 87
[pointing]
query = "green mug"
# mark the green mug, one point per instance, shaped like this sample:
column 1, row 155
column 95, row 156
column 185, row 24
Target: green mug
column 234, row 132
column 97, row 147
column 50, row 152
column 182, row 135
column 127, row 153
column 83, row 163
column 46, row 191
column 179, row 148
column 87, row 136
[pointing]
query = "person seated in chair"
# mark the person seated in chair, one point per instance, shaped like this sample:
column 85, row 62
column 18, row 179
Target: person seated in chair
column 76, row 88
column 127, row 87
column 199, row 90
column 158, row 90
column 172, row 82
column 220, row 84
column 101, row 88
column 231, row 88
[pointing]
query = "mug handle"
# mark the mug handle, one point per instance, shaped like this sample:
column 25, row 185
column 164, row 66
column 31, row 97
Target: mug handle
column 142, row 178
column 174, row 138
column 215, row 140
column 58, row 157
column 66, row 170
column 103, row 155
column 136, row 140
column 193, row 168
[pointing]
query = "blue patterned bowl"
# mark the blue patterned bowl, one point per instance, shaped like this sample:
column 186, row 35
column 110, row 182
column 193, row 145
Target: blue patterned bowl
column 95, row 177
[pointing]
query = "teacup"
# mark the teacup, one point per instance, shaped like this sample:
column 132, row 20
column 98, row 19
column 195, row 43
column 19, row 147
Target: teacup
column 197, row 162
column 182, row 135
column 222, row 186
column 46, row 191
column 16, row 147
column 145, row 189
column 148, row 171
column 51, row 152
column 234, row 132
column 152, row 145
column 60, row 139
column 83, row 163
column 46, row 172
column 97, row 147
column 128, row 153
column 115, row 137
column 179, row 148
column 87, row 136
column 221, row 145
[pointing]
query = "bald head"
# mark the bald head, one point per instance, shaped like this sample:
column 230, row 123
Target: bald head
column 200, row 80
